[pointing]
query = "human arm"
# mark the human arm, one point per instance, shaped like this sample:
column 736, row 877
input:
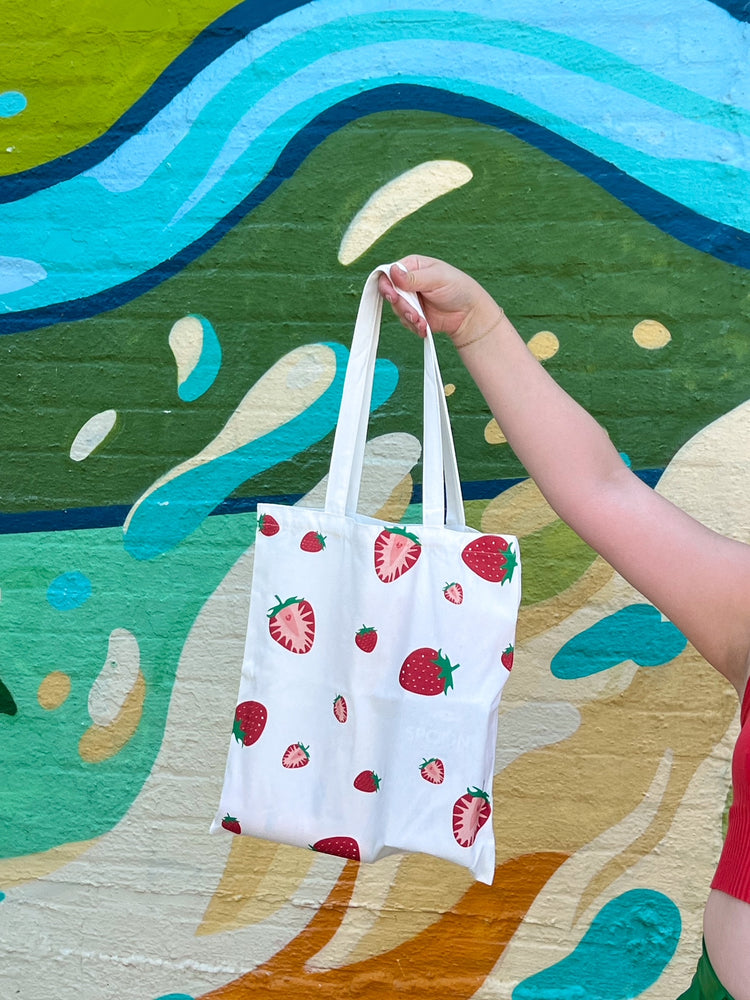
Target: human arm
column 696, row 577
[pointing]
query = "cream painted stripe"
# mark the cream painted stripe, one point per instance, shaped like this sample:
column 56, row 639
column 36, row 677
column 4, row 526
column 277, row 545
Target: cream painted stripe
column 398, row 199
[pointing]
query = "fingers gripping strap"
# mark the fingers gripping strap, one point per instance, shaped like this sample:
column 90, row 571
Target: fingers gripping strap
column 347, row 457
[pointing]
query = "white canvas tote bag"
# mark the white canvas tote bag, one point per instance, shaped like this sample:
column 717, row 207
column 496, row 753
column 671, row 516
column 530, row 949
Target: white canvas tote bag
column 375, row 658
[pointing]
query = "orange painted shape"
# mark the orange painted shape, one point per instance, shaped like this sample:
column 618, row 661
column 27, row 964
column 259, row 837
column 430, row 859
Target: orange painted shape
column 449, row 960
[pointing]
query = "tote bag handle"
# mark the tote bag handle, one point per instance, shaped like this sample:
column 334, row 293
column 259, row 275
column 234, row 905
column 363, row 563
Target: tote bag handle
column 441, row 487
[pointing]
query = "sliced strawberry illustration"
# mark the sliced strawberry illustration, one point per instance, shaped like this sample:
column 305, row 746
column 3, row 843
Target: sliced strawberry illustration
column 313, row 541
column 366, row 639
column 268, row 525
column 454, row 593
column 249, row 722
column 433, row 770
column 396, row 551
column 340, row 710
column 470, row 812
column 292, row 624
column 507, row 657
column 296, row 755
column 232, row 824
column 490, row 557
column 367, row 781
column 427, row 671
column 340, row 847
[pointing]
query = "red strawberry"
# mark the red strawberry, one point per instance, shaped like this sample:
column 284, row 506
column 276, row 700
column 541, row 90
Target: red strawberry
column 454, row 593
column 433, row 770
column 427, row 671
column 231, row 824
column 366, row 639
column 396, row 551
column 339, row 708
column 296, row 755
column 340, row 847
column 490, row 557
column 470, row 813
column 367, row 781
column 292, row 624
column 267, row 525
column 507, row 658
column 313, row 541
column 249, row 722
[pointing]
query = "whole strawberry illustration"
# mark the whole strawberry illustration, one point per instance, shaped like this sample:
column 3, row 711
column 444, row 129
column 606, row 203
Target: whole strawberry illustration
column 296, row 755
column 454, row 593
column 433, row 770
column 490, row 557
column 249, row 722
column 340, row 710
column 232, row 824
column 268, row 525
column 427, row 671
column 367, row 781
column 470, row 812
column 340, row 847
column 507, row 657
column 292, row 624
column 396, row 551
column 366, row 639
column 313, row 541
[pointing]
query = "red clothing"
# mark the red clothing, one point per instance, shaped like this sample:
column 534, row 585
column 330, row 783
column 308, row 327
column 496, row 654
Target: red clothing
column 733, row 874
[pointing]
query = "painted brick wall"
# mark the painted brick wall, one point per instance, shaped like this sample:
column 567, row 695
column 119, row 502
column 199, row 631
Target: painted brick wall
column 191, row 196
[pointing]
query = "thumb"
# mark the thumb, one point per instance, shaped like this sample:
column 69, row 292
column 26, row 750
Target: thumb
column 414, row 274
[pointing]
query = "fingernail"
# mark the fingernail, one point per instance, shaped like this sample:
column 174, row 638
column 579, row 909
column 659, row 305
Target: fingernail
column 401, row 267
column 409, row 317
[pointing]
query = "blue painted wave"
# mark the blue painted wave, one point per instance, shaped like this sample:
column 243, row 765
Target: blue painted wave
column 173, row 184
column 627, row 947
column 162, row 519
column 636, row 633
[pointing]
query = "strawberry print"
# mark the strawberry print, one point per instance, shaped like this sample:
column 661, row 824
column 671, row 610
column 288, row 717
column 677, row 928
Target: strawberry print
column 366, row 639
column 249, row 722
column 367, row 781
column 340, row 847
column 433, row 770
column 396, row 551
column 507, row 658
column 490, row 557
column 232, row 824
column 268, row 525
column 454, row 593
column 313, row 541
column 296, row 755
column 340, row 710
column 292, row 624
column 470, row 813
column 427, row 671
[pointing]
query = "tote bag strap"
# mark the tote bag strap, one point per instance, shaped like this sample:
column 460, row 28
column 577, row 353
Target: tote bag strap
column 441, row 491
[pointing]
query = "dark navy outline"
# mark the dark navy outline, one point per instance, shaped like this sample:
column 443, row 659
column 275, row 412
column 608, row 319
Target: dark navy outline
column 739, row 9
column 207, row 46
column 722, row 241
column 212, row 42
column 113, row 516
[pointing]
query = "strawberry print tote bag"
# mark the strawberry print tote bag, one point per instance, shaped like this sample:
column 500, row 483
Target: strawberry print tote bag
column 375, row 658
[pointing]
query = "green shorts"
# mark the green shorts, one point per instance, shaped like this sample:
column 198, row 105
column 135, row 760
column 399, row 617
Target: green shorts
column 705, row 984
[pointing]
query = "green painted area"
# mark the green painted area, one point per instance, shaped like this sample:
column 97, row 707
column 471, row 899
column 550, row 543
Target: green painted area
column 558, row 252
column 552, row 559
column 82, row 63
column 50, row 795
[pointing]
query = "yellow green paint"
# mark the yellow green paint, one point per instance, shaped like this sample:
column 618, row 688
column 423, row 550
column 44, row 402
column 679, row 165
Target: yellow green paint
column 82, row 63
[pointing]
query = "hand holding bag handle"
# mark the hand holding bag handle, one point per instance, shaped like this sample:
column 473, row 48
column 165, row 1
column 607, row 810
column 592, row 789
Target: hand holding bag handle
column 439, row 459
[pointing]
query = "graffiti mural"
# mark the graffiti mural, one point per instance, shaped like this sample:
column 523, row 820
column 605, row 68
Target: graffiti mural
column 191, row 197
